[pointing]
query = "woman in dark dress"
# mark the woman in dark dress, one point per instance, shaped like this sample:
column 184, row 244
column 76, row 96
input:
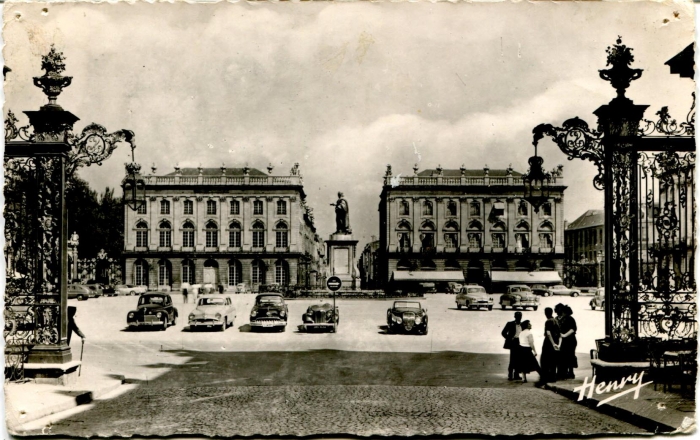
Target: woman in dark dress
column 568, row 361
column 550, row 347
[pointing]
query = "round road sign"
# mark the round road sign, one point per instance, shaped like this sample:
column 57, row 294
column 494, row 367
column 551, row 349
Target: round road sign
column 334, row 283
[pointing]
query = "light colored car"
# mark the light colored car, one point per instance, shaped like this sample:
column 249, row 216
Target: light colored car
column 130, row 289
column 474, row 297
column 80, row 292
column 242, row 288
column 213, row 311
column 560, row 289
column 598, row 300
column 454, row 287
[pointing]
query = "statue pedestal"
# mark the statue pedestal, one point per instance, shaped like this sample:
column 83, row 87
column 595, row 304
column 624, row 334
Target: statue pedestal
column 341, row 251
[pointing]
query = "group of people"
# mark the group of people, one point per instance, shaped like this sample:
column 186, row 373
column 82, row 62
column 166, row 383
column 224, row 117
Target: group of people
column 558, row 359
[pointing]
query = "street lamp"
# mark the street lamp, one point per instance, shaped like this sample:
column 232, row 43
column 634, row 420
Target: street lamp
column 536, row 182
column 133, row 185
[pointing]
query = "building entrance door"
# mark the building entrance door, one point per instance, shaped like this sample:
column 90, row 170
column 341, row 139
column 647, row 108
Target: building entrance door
column 209, row 275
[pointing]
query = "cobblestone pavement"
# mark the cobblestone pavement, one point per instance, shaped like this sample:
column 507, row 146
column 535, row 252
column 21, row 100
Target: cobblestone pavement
column 358, row 410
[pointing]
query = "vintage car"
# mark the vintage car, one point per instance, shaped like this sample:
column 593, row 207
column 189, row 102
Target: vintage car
column 241, row 288
column 560, row 289
column 474, row 297
column 454, row 287
column 154, row 309
column 598, row 300
column 540, row 289
column 212, row 311
column 408, row 316
column 96, row 290
column 81, row 292
column 269, row 311
column 129, row 289
column 321, row 317
column 519, row 296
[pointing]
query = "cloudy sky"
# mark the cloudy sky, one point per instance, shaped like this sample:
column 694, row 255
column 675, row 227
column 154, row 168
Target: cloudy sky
column 344, row 88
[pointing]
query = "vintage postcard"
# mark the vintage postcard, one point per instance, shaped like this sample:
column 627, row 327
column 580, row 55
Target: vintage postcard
column 244, row 219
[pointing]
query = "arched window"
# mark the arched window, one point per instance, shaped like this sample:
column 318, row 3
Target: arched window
column 427, row 237
column 281, row 235
column 141, row 209
column 211, row 207
column 141, row 234
column 235, row 207
column 212, row 234
column 404, row 236
column 451, row 235
column 281, row 207
column 164, row 207
column 282, row 273
column 188, row 207
column 164, row 272
column 475, row 225
column 235, row 273
column 258, row 234
column 257, row 207
column 188, row 271
column 404, row 207
column 427, row 208
column 165, row 234
column 547, row 209
column 188, row 235
column 452, row 208
column 546, row 226
column 141, row 273
column 234, row 235
column 498, row 235
column 258, row 272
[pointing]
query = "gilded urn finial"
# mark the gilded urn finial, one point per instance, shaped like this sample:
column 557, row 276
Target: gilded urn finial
column 52, row 82
column 620, row 75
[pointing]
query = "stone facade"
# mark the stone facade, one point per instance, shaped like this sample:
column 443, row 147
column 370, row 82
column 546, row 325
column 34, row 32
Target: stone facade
column 475, row 221
column 223, row 226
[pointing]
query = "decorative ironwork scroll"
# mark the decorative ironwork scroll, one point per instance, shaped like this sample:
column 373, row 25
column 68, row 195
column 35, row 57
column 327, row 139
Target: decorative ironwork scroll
column 667, row 126
column 94, row 145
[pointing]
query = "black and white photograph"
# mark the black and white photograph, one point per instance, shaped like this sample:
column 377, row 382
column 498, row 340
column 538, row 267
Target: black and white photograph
column 349, row 219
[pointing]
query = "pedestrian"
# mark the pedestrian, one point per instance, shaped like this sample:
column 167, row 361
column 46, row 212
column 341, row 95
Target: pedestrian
column 550, row 347
column 72, row 326
column 510, row 333
column 184, row 295
column 567, row 350
column 525, row 359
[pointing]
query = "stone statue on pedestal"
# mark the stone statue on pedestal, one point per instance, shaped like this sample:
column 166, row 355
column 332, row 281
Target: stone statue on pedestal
column 342, row 215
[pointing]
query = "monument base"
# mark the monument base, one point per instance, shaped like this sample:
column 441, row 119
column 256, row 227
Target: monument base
column 341, row 251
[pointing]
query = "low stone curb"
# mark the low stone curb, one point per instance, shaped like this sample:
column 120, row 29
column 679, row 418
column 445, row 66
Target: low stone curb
column 647, row 423
column 84, row 398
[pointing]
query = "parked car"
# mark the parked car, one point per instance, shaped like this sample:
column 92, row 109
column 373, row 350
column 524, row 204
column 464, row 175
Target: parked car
column 154, row 309
column 95, row 290
column 80, row 292
column 540, row 289
column 598, row 300
column 407, row 316
column 321, row 317
column 474, row 297
column 107, row 290
column 241, row 288
column 130, row 289
column 519, row 295
column 454, row 287
column 560, row 289
column 213, row 311
column 269, row 311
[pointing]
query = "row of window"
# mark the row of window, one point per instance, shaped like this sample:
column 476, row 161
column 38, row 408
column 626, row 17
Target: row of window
column 476, row 225
column 498, row 240
column 211, row 235
column 474, row 208
column 235, row 272
column 235, row 207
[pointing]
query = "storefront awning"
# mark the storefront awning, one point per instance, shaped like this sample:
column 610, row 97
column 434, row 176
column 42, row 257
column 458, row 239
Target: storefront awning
column 428, row 275
column 548, row 276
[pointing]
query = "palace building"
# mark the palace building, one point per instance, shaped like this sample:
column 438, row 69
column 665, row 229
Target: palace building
column 466, row 225
column 223, row 226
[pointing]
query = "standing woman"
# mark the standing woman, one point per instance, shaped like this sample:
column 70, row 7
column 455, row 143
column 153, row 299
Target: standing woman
column 526, row 361
column 568, row 329
column 550, row 347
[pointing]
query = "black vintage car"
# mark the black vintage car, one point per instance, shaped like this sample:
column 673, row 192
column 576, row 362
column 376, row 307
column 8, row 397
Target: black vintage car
column 407, row 316
column 321, row 317
column 154, row 310
column 269, row 311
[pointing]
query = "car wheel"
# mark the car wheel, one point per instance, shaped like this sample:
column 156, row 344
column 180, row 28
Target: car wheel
column 592, row 307
column 224, row 326
column 389, row 330
column 81, row 298
column 575, row 294
column 534, row 308
column 425, row 332
column 503, row 306
column 459, row 306
column 490, row 308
